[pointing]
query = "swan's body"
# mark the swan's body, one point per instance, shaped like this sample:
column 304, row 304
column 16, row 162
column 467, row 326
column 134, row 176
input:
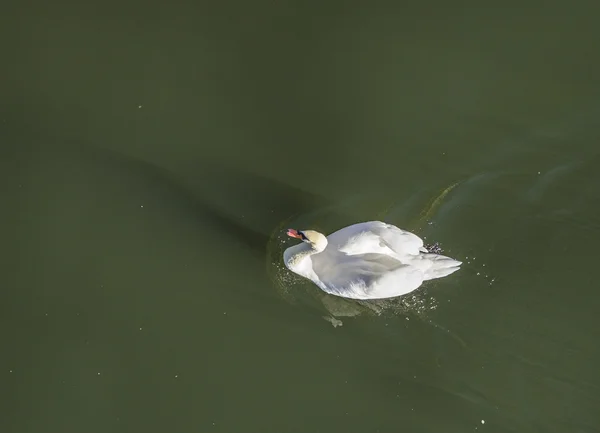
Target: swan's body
column 370, row 260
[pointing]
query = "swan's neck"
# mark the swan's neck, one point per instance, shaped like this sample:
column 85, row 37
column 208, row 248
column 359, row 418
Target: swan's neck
column 295, row 257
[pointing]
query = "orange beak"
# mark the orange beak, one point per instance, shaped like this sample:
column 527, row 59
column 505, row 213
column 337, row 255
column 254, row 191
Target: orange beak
column 294, row 234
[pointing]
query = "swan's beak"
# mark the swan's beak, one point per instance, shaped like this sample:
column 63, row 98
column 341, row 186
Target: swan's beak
column 294, row 234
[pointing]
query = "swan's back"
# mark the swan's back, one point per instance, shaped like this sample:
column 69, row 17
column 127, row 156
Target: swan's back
column 375, row 237
column 374, row 260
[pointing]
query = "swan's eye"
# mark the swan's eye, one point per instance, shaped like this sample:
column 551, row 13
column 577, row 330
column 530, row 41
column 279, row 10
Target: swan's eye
column 304, row 238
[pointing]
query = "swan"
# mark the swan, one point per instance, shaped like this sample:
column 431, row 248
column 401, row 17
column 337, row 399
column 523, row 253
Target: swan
column 369, row 260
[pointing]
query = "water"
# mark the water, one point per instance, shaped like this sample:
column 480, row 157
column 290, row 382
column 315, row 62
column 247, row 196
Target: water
column 151, row 155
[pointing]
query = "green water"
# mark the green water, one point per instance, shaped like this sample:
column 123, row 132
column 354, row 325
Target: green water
column 152, row 153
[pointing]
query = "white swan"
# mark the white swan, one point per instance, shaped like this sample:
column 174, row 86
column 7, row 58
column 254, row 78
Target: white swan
column 370, row 260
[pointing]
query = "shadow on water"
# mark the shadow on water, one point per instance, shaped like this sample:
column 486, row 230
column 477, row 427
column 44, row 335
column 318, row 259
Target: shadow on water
column 208, row 191
column 237, row 204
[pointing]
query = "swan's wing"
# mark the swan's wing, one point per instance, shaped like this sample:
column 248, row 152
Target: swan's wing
column 400, row 281
column 365, row 276
column 375, row 237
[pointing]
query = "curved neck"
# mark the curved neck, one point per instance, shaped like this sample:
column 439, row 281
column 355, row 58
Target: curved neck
column 294, row 256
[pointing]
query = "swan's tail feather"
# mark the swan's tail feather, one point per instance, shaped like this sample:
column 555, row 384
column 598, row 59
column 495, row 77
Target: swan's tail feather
column 439, row 273
column 439, row 266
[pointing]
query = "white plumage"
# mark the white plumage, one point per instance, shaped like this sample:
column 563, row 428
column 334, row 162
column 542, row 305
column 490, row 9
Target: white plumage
column 370, row 260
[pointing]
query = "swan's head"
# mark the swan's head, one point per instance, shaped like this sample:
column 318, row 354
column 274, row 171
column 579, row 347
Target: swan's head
column 315, row 239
